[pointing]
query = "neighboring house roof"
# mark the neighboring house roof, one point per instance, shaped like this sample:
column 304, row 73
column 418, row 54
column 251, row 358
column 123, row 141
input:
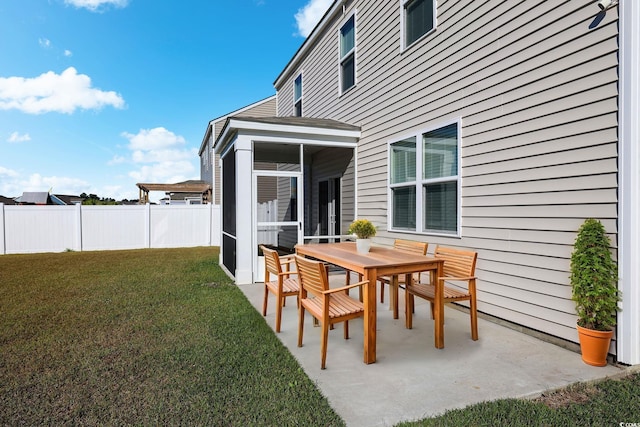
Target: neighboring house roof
column 7, row 200
column 69, row 199
column 233, row 113
column 39, row 198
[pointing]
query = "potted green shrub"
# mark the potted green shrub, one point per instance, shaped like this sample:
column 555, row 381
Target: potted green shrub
column 594, row 279
column 364, row 230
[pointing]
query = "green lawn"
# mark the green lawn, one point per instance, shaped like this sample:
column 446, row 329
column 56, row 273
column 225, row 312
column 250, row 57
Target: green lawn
column 151, row 337
column 162, row 337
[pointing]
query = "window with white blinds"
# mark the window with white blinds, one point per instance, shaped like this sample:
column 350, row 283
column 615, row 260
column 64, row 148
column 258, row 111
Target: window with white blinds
column 297, row 96
column 424, row 180
column 418, row 19
column 348, row 54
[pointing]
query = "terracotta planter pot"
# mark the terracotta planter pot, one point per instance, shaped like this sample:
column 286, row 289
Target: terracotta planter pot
column 594, row 345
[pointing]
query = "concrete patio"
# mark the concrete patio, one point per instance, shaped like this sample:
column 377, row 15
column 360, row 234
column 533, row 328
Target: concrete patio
column 411, row 379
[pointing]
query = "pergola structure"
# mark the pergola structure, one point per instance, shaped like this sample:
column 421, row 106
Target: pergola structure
column 200, row 189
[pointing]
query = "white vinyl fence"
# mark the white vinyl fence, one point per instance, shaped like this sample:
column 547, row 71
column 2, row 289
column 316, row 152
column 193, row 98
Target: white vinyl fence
column 31, row 229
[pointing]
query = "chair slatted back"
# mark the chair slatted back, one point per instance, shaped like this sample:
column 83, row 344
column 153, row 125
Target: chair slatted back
column 271, row 261
column 457, row 262
column 312, row 275
column 411, row 246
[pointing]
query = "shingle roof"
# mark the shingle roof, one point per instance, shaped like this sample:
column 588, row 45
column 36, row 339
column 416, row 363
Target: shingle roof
column 300, row 121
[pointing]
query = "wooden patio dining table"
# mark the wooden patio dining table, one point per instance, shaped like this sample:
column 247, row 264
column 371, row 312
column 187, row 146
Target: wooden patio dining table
column 380, row 261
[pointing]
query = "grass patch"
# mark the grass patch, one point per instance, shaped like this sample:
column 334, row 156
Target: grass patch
column 162, row 337
column 156, row 336
column 609, row 402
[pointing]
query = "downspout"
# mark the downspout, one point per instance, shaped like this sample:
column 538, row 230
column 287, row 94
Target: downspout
column 628, row 333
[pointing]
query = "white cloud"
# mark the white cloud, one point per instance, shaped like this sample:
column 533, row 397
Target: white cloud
column 95, row 5
column 164, row 173
column 44, row 43
column 162, row 155
column 8, row 173
column 13, row 184
column 152, row 139
column 67, row 53
column 310, row 15
column 116, row 160
column 51, row 92
column 16, row 137
column 58, row 184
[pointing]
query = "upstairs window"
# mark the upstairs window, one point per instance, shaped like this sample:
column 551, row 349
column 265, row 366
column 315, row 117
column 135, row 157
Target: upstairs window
column 297, row 96
column 418, row 19
column 424, row 179
column 348, row 55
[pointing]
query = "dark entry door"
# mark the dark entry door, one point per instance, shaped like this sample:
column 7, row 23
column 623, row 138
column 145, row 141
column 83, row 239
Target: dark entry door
column 329, row 209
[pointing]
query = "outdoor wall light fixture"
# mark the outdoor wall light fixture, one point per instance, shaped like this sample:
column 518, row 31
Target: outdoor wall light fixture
column 606, row 4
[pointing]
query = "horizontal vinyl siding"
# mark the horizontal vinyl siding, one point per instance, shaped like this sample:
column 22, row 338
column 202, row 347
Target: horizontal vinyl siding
column 534, row 85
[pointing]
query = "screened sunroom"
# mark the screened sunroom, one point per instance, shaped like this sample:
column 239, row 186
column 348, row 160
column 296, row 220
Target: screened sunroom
column 285, row 180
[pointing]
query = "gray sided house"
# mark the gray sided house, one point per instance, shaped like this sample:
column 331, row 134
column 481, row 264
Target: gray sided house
column 209, row 170
column 493, row 126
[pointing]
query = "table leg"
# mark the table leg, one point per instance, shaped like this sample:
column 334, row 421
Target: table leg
column 370, row 307
column 439, row 309
column 393, row 290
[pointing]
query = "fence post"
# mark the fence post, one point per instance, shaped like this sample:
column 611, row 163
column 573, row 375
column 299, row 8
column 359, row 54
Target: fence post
column 147, row 224
column 210, row 223
column 3, row 245
column 78, row 242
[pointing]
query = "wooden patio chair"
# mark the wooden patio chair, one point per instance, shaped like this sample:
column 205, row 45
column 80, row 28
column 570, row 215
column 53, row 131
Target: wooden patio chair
column 407, row 246
column 459, row 267
column 282, row 285
column 328, row 306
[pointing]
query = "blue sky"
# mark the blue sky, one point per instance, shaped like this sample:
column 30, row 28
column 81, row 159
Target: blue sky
column 97, row 95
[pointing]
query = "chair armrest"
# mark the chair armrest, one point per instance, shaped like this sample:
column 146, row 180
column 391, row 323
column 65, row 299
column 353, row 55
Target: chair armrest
column 287, row 273
column 457, row 278
column 344, row 288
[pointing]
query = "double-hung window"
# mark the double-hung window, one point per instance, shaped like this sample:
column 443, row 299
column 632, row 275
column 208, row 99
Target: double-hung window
column 348, row 54
column 424, row 181
column 418, row 18
column 297, row 96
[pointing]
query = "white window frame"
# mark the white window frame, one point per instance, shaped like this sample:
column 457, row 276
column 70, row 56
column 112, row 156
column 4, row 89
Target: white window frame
column 348, row 55
column 298, row 100
column 403, row 24
column 420, row 182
